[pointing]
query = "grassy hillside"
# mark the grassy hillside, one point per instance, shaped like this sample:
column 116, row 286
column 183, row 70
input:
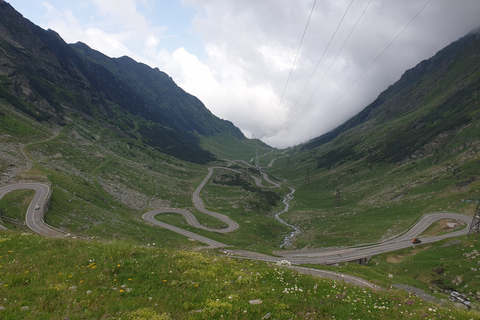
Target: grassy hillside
column 229, row 147
column 52, row 278
column 103, row 182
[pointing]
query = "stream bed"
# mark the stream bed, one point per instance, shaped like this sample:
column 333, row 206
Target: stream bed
column 288, row 239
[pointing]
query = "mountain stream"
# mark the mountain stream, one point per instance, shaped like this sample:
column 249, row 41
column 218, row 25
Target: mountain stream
column 288, row 239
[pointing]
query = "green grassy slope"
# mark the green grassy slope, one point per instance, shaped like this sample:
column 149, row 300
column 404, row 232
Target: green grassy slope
column 53, row 278
column 102, row 182
column 229, row 147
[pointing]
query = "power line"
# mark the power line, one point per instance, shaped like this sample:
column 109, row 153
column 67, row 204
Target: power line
column 318, row 63
column 293, row 65
column 365, row 71
column 328, row 70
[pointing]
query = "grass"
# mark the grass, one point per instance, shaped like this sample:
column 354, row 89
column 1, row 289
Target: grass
column 44, row 278
column 440, row 227
column 228, row 147
column 377, row 201
column 19, row 127
column 14, row 204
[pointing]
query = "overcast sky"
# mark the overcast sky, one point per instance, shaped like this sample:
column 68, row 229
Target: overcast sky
column 253, row 63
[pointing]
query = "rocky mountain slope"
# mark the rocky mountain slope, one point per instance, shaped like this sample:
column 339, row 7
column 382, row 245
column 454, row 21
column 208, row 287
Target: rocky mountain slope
column 46, row 78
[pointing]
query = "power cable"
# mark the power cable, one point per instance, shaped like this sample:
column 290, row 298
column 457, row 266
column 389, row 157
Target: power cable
column 293, row 65
column 318, row 63
column 328, row 70
column 365, row 71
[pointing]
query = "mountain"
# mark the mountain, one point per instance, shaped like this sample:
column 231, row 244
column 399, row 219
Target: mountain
column 46, row 78
column 414, row 150
column 418, row 115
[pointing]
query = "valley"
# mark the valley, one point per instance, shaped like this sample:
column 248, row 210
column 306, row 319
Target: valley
column 140, row 203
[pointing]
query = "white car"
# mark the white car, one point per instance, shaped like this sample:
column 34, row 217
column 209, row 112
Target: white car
column 37, row 207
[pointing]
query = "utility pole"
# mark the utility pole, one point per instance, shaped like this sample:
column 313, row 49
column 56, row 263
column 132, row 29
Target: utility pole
column 307, row 177
column 475, row 225
column 337, row 198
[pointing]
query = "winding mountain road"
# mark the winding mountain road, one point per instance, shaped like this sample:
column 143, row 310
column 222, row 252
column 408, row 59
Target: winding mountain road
column 200, row 206
column 34, row 217
column 329, row 256
column 34, row 221
column 401, row 242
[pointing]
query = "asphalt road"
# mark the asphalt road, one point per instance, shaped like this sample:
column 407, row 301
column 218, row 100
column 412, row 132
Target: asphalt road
column 150, row 217
column 34, row 218
column 329, row 256
column 400, row 242
column 199, row 205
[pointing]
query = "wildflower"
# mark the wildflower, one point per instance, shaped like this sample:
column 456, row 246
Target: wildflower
column 121, row 290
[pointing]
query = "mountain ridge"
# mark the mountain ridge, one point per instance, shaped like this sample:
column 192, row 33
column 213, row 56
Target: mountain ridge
column 44, row 77
column 404, row 95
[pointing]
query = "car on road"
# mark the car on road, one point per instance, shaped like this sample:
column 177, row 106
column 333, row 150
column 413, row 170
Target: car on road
column 37, row 207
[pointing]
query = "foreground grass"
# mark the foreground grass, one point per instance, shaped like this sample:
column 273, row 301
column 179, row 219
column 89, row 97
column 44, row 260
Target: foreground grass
column 44, row 278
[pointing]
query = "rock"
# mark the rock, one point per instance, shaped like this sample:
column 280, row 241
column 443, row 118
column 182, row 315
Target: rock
column 267, row 316
column 460, row 305
column 451, row 243
column 256, row 301
column 418, row 292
